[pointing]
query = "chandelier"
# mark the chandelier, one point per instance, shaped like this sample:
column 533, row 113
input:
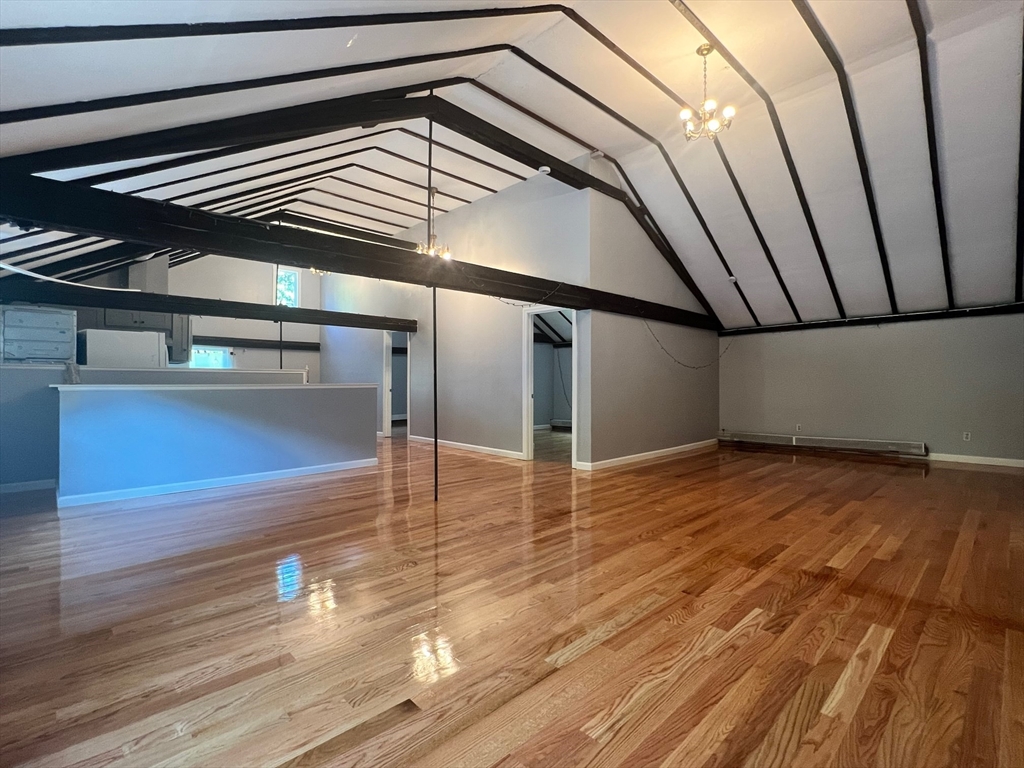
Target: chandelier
column 706, row 122
column 320, row 272
column 431, row 248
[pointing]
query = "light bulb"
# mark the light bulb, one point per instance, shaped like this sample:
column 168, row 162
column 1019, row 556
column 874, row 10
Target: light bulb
column 710, row 105
column 729, row 112
column 446, row 255
column 689, row 125
column 714, row 125
column 686, row 114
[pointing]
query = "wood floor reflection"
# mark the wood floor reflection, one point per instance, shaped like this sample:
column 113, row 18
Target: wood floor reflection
column 726, row 609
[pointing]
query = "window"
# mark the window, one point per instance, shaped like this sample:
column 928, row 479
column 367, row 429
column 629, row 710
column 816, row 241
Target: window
column 210, row 357
column 287, row 292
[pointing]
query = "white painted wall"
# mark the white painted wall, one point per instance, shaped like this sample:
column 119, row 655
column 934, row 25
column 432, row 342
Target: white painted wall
column 929, row 381
column 219, row 277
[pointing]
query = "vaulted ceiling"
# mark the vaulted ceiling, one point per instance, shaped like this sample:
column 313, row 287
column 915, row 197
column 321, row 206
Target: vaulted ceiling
column 873, row 167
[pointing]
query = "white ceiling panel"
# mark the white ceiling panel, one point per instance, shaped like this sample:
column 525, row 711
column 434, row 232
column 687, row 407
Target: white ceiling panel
column 59, row 13
column 890, row 106
column 540, row 94
column 716, row 198
column 18, row 138
column 670, row 209
column 978, row 85
column 87, row 71
column 818, row 132
column 756, row 158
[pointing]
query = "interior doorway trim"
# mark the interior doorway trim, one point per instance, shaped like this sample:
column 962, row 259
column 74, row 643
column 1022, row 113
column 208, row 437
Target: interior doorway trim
column 528, row 431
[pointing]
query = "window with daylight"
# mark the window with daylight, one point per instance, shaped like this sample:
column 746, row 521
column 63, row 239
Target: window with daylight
column 210, row 357
column 287, row 292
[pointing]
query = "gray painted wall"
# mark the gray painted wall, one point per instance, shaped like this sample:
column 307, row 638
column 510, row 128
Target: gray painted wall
column 133, row 438
column 929, row 381
column 543, row 228
column 640, row 399
column 561, row 384
column 543, row 384
column 399, row 384
column 28, row 408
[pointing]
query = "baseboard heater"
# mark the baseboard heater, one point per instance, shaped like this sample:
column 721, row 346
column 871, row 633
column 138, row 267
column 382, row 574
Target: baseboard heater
column 899, row 447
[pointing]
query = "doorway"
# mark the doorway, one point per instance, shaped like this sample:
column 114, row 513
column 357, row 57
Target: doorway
column 550, row 364
column 395, row 387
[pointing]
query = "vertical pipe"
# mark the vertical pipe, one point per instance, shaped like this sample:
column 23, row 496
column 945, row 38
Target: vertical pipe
column 434, row 334
column 430, row 242
column 280, row 344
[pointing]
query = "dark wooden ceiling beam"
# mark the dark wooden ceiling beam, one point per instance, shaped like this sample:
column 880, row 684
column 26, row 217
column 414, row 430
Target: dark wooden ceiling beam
column 1014, row 308
column 83, row 296
column 921, row 32
column 234, row 86
column 821, row 36
column 279, row 125
column 105, row 33
column 780, row 135
column 43, row 202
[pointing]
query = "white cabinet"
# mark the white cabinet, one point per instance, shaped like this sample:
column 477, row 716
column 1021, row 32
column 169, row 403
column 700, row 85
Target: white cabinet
column 37, row 335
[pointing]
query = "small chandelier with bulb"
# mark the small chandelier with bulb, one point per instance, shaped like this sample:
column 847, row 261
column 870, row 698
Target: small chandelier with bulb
column 706, row 122
column 431, row 248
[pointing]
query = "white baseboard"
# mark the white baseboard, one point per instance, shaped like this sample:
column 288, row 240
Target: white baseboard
column 467, row 447
column 541, row 427
column 198, row 485
column 990, row 460
column 28, row 485
column 699, row 447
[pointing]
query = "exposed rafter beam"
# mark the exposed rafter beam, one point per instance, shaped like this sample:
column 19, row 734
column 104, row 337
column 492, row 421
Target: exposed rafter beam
column 43, row 202
column 331, row 115
column 819, row 33
column 106, row 33
column 233, row 86
column 787, row 155
column 75, row 296
column 277, row 125
column 921, row 32
column 1015, row 308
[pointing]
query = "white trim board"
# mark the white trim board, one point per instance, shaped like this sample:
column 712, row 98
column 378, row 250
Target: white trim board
column 198, row 485
column 467, row 447
column 990, row 460
column 28, row 485
column 698, row 447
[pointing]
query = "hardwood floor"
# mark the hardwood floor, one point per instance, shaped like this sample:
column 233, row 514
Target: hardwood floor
column 726, row 609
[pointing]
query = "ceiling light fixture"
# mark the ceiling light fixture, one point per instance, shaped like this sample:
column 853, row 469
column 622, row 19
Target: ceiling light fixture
column 431, row 248
column 706, row 122
column 320, row 272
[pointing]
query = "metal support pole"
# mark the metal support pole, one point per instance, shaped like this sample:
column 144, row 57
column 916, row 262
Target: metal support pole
column 280, row 344
column 434, row 333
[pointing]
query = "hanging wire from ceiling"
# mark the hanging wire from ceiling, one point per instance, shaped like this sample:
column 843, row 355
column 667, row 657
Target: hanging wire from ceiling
column 680, row 362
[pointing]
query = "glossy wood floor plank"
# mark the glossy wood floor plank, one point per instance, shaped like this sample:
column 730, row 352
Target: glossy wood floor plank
column 723, row 609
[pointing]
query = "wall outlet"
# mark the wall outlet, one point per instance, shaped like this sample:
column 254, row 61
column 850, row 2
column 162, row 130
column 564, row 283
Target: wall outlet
column 967, row 437
column 799, row 427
